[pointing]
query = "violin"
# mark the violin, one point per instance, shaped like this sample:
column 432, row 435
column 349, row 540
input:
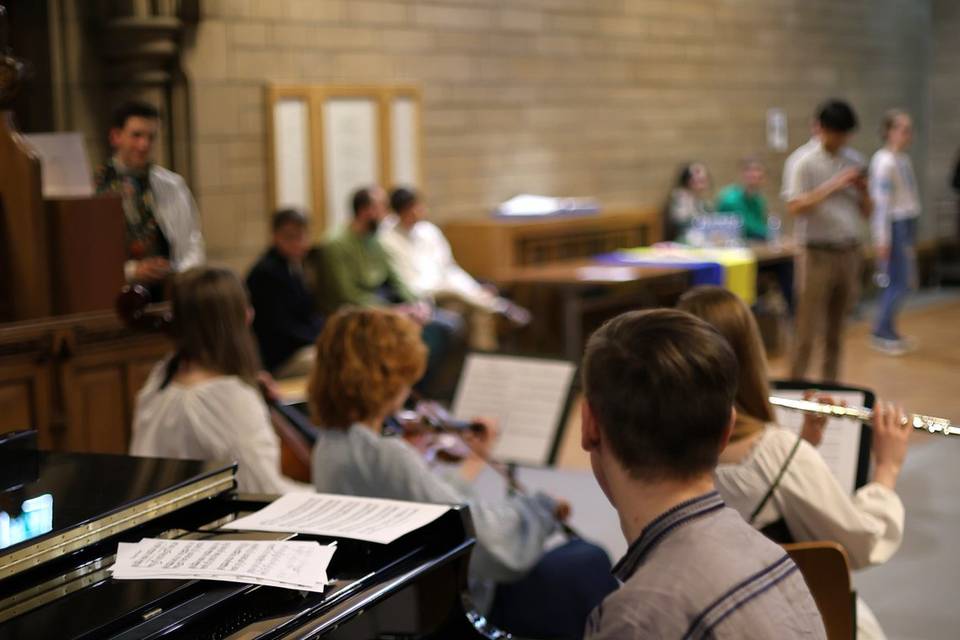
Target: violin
column 432, row 431
column 134, row 309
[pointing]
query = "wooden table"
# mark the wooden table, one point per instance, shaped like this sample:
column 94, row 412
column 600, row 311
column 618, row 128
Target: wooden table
column 621, row 285
column 571, row 279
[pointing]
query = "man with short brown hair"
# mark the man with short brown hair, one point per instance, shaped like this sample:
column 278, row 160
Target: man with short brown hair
column 162, row 221
column 659, row 389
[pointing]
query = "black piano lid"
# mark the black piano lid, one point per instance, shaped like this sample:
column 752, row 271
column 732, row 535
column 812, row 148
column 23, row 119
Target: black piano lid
column 62, row 502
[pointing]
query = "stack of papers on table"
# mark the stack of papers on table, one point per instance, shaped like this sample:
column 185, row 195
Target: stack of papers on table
column 291, row 564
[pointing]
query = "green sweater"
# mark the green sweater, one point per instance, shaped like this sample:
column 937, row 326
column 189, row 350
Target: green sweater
column 360, row 272
column 752, row 209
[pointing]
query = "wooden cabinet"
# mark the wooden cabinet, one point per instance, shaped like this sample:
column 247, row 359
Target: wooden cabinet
column 490, row 248
column 74, row 379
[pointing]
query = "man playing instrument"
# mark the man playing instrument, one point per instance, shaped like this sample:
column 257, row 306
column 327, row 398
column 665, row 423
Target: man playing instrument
column 162, row 222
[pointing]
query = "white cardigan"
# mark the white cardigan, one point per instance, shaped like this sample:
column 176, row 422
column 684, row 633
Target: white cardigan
column 219, row 419
column 869, row 524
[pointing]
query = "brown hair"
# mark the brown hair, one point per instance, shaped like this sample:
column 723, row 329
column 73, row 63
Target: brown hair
column 210, row 309
column 661, row 385
column 365, row 357
column 733, row 319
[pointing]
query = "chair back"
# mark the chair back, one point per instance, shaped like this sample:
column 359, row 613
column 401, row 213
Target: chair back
column 826, row 571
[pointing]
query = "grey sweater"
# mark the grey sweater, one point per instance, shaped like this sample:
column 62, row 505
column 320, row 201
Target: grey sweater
column 510, row 531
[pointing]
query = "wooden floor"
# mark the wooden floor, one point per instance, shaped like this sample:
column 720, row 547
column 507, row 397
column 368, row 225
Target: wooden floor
column 924, row 381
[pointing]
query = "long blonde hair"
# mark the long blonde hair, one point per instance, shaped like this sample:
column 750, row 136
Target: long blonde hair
column 365, row 357
column 732, row 318
column 210, row 308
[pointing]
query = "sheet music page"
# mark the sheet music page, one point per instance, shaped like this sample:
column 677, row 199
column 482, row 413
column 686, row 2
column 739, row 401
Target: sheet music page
column 324, row 514
column 525, row 395
column 291, row 564
column 840, row 447
column 65, row 167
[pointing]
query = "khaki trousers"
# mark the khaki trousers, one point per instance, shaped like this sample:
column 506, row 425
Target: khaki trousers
column 481, row 322
column 827, row 284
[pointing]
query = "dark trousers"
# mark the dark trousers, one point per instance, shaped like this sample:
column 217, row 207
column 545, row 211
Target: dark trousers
column 555, row 598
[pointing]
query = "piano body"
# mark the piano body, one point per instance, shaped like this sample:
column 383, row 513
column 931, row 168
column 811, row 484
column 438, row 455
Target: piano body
column 62, row 515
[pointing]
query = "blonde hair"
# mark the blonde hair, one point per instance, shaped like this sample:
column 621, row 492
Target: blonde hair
column 889, row 120
column 733, row 319
column 365, row 357
column 210, row 308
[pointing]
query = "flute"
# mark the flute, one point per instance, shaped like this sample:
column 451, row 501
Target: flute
column 915, row 420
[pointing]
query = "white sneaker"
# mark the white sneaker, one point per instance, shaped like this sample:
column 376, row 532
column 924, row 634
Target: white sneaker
column 909, row 343
column 888, row 346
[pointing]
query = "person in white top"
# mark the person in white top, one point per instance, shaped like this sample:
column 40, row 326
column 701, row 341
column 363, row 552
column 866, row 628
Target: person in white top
column 202, row 402
column 161, row 216
column 893, row 187
column 424, row 261
column 808, row 503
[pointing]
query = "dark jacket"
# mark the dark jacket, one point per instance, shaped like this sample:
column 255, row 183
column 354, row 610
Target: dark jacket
column 284, row 319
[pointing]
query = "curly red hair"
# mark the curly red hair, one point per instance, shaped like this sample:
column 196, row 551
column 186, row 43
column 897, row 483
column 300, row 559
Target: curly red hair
column 365, row 357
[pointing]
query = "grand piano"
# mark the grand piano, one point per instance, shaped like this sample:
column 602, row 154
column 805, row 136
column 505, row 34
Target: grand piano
column 62, row 515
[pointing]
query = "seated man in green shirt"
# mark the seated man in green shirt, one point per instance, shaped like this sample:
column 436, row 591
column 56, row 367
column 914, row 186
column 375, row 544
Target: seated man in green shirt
column 358, row 266
column 745, row 200
column 360, row 274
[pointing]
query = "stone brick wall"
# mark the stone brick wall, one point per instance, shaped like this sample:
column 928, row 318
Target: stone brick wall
column 944, row 118
column 599, row 98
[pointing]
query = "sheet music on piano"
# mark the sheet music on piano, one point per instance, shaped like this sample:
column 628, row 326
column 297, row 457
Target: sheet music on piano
column 325, row 514
column 529, row 398
column 840, row 447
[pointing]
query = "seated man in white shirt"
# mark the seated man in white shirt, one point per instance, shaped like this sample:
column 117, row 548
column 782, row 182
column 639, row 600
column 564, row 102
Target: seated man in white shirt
column 424, row 261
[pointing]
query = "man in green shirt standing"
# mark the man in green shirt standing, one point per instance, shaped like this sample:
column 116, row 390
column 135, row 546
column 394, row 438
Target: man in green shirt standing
column 745, row 200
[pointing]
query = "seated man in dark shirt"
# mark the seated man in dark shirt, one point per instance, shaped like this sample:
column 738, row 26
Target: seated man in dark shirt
column 659, row 390
column 285, row 321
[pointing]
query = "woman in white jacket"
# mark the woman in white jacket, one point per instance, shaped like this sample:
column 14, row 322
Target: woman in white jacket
column 808, row 502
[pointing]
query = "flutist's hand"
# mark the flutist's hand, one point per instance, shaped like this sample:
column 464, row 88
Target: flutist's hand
column 890, row 438
column 814, row 425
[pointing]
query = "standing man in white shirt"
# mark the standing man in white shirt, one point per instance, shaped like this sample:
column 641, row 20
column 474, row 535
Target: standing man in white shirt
column 826, row 190
column 424, row 261
column 893, row 187
column 162, row 221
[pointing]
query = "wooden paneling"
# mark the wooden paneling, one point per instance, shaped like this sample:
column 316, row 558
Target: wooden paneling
column 16, row 406
column 96, row 399
column 75, row 380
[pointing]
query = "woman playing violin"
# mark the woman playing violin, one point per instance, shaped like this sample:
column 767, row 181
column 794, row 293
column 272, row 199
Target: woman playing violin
column 368, row 360
column 203, row 402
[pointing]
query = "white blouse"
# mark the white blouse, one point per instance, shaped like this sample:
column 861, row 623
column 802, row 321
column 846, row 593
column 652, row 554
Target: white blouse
column 218, row 419
column 869, row 524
